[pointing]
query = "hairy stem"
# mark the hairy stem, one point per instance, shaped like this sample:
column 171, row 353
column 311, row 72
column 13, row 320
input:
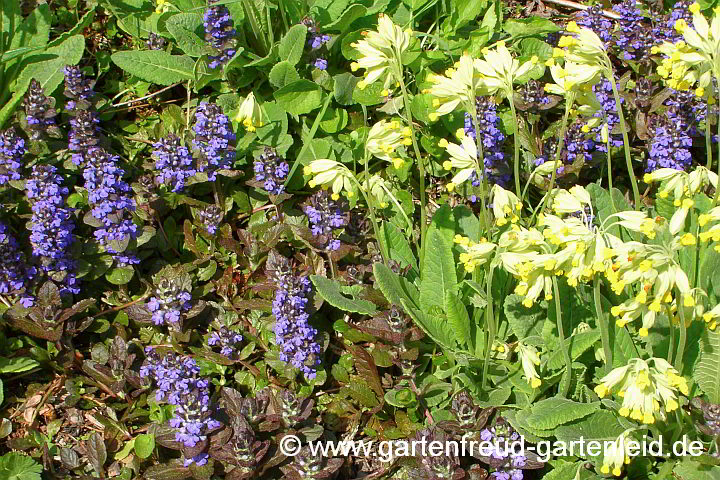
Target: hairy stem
column 561, row 335
column 490, row 326
column 421, row 167
column 516, row 146
column 626, row 141
column 602, row 322
column 683, row 335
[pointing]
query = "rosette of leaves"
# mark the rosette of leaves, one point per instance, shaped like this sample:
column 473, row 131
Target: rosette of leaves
column 112, row 368
column 49, row 319
column 238, row 445
column 307, row 465
column 435, row 467
column 469, row 418
column 169, row 279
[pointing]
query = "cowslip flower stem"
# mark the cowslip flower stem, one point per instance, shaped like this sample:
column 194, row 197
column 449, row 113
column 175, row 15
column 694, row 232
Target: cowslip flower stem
column 420, row 162
column 569, row 101
column 490, row 326
column 609, row 168
column 602, row 322
column 516, row 145
column 678, row 364
column 708, row 134
column 308, row 139
column 626, row 140
column 671, row 347
column 564, row 384
column 472, row 111
column 371, row 209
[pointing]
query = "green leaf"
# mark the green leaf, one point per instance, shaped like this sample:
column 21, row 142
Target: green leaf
column 334, row 293
column 458, row 318
column 603, row 205
column 438, row 271
column 601, row 426
column 144, row 445
column 334, row 120
column 155, row 66
column 46, row 68
column 361, row 393
column 187, row 29
column 299, row 98
column 17, row 466
column 394, row 287
column 397, row 245
column 525, row 322
column 692, row 470
column 34, row 31
column 120, row 275
column 17, row 364
column 551, row 412
column 292, row 44
column 577, row 345
column 707, row 369
column 526, row 27
column 282, row 74
column 344, row 87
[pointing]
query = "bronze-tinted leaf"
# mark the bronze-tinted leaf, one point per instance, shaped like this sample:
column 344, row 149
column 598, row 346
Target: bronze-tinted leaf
column 96, row 453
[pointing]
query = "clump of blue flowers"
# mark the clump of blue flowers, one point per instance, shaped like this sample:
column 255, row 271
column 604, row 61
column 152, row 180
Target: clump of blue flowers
column 294, row 335
column 219, row 33
column 171, row 300
column 78, row 88
column 110, row 199
column 315, row 42
column 39, row 111
column 326, row 215
column 634, row 35
column 664, row 30
column 492, row 140
column 179, row 384
column 211, row 216
column 502, row 437
column 173, row 162
column 15, row 273
column 213, row 135
column 604, row 94
column 670, row 146
column 12, row 150
column 272, row 170
column 594, row 19
column 227, row 340
column 84, row 134
column 52, row 226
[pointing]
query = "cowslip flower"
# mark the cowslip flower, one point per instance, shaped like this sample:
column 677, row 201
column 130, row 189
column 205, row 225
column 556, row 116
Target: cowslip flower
column 458, row 86
column 647, row 392
column 463, row 158
column 505, row 205
column 530, row 359
column 381, row 53
column 474, row 254
column 692, row 61
column 616, row 455
column 385, row 138
column 250, row 113
column 333, row 175
column 498, row 70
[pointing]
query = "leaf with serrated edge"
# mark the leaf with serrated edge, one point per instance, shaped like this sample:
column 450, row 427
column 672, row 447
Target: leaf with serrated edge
column 551, row 412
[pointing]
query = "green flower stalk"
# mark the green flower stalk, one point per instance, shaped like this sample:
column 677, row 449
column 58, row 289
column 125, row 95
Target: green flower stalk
column 589, row 56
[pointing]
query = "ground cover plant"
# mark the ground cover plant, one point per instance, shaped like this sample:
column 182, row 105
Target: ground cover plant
column 229, row 224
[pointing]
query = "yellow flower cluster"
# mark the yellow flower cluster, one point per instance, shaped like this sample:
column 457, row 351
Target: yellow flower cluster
column 385, row 138
column 691, row 62
column 381, row 52
column 529, row 358
column 474, row 254
column 647, row 392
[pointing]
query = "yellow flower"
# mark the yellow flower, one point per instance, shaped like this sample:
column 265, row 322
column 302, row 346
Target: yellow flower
column 458, row 86
column 463, row 157
column 381, row 52
column 385, row 138
column 616, row 455
column 250, row 114
column 498, row 70
column 529, row 359
column 506, row 205
column 331, row 174
column 474, row 254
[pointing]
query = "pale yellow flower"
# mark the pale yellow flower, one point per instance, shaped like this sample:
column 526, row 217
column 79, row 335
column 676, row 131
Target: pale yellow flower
column 381, row 53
